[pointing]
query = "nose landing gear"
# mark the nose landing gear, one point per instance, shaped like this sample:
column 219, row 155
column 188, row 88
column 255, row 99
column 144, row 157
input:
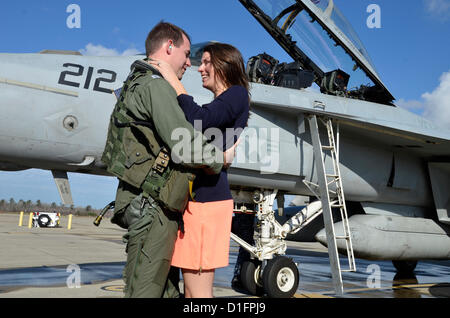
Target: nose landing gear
column 269, row 271
column 251, row 277
column 280, row 278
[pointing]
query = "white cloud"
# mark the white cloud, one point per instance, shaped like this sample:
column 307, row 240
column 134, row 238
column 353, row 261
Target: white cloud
column 99, row 50
column 437, row 103
column 412, row 105
column 132, row 51
column 434, row 106
column 438, row 8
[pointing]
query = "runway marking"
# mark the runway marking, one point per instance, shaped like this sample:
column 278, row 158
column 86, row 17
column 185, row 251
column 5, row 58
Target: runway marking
column 114, row 288
column 423, row 288
column 311, row 295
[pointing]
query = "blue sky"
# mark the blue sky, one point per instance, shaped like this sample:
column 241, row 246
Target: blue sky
column 410, row 51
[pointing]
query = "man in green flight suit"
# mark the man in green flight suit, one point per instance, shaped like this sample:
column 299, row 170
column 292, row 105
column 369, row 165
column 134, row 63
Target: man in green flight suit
column 152, row 188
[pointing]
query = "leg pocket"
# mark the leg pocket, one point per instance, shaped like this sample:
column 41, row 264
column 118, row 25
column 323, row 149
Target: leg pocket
column 153, row 270
column 158, row 247
column 134, row 212
column 131, row 271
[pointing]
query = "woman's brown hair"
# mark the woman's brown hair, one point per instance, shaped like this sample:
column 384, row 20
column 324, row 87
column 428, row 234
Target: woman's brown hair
column 228, row 64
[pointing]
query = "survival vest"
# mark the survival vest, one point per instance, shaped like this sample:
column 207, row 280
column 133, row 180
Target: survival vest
column 135, row 154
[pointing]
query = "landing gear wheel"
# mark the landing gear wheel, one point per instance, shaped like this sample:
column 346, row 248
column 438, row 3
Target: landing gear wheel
column 44, row 220
column 251, row 277
column 280, row 278
column 405, row 267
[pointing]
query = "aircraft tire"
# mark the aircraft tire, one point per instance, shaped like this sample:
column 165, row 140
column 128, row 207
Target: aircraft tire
column 44, row 220
column 280, row 278
column 251, row 277
column 405, row 267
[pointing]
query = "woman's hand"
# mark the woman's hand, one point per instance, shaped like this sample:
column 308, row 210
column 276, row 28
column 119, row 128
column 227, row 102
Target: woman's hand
column 229, row 154
column 169, row 74
column 164, row 68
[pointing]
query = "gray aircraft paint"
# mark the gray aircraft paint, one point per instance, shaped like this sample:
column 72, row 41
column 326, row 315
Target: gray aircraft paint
column 393, row 162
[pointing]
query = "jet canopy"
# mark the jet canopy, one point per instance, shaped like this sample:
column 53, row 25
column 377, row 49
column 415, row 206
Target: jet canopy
column 197, row 52
column 317, row 36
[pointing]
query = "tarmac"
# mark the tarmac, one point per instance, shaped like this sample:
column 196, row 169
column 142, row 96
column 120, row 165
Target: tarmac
column 44, row 262
column 87, row 262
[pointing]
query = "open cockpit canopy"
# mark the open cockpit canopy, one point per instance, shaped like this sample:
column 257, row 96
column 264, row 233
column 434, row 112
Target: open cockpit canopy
column 320, row 39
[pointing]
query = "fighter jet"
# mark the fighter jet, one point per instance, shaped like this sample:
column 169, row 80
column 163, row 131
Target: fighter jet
column 324, row 126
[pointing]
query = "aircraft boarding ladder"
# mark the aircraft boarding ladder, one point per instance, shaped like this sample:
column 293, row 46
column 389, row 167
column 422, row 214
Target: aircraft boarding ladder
column 331, row 194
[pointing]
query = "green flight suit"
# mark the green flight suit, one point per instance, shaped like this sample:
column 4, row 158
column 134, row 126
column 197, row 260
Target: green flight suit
column 153, row 230
column 150, row 244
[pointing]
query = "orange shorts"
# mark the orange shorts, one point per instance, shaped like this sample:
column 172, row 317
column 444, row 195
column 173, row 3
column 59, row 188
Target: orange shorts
column 205, row 243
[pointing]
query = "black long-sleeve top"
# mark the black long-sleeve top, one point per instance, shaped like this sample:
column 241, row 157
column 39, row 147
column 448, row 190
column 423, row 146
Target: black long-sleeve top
column 228, row 110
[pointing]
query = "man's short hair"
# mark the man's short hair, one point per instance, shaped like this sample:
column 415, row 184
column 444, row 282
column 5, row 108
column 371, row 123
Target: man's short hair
column 161, row 33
